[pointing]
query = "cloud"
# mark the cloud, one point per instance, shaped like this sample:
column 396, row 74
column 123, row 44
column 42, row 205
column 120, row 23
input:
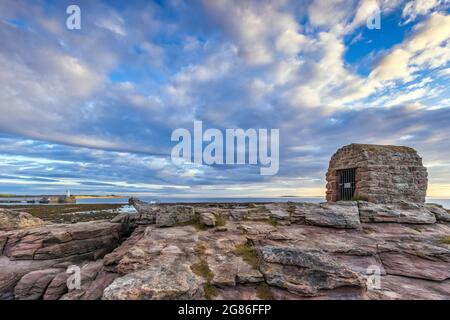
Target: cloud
column 245, row 23
column 416, row 8
column 113, row 22
column 427, row 46
column 326, row 13
column 94, row 109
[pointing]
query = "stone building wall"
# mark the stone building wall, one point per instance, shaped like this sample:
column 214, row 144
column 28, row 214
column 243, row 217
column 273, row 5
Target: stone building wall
column 384, row 174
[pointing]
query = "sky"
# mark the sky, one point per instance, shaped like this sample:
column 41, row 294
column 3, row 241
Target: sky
column 92, row 110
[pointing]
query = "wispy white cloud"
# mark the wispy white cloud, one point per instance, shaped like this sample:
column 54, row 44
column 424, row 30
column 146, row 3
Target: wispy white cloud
column 99, row 104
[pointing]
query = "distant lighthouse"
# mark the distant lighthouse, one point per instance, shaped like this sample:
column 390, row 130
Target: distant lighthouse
column 68, row 198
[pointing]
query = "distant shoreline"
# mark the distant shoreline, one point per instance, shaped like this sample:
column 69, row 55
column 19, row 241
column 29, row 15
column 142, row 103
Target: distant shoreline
column 46, row 195
column 102, row 197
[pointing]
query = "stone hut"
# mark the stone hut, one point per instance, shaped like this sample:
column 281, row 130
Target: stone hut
column 376, row 173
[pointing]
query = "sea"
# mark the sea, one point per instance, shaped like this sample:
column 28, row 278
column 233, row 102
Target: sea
column 444, row 202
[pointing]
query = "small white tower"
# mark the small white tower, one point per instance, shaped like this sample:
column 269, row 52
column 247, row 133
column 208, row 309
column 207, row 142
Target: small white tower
column 68, row 193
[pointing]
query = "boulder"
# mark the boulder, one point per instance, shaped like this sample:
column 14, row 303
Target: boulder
column 57, row 287
column 170, row 216
column 157, row 282
column 84, row 240
column 32, row 286
column 305, row 272
column 229, row 269
column 94, row 280
column 403, row 212
column 146, row 211
column 439, row 211
column 335, row 215
column 279, row 213
column 162, row 215
column 10, row 219
column 207, row 219
column 240, row 214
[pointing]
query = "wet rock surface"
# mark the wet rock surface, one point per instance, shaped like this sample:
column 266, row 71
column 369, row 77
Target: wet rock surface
column 259, row 251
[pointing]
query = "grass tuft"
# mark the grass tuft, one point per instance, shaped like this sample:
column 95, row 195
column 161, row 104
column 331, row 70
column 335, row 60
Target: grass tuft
column 248, row 254
column 202, row 269
column 200, row 249
column 263, row 292
column 220, row 221
column 445, row 240
column 273, row 221
column 210, row 291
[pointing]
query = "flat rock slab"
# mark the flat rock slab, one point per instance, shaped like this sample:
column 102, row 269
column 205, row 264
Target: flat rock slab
column 305, row 272
column 336, row 215
column 170, row 216
column 399, row 213
column 404, row 288
column 157, row 282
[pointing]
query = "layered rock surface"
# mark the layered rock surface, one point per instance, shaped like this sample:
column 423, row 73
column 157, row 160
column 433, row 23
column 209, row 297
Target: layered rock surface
column 236, row 251
column 31, row 259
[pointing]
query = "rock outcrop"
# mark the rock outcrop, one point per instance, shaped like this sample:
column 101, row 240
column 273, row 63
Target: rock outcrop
column 341, row 215
column 33, row 262
column 207, row 219
column 402, row 212
column 257, row 251
column 10, row 219
column 306, row 272
column 439, row 211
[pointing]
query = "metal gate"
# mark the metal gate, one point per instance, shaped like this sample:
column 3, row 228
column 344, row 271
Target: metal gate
column 346, row 180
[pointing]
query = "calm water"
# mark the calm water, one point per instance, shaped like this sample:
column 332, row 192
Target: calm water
column 102, row 200
column 238, row 200
column 443, row 202
column 192, row 200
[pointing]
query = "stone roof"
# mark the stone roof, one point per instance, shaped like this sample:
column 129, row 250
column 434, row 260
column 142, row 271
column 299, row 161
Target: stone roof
column 374, row 148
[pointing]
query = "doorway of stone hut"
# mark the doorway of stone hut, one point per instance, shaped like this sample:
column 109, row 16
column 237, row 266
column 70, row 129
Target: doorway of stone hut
column 347, row 184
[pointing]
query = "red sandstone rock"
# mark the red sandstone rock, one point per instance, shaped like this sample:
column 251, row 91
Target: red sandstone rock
column 292, row 261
